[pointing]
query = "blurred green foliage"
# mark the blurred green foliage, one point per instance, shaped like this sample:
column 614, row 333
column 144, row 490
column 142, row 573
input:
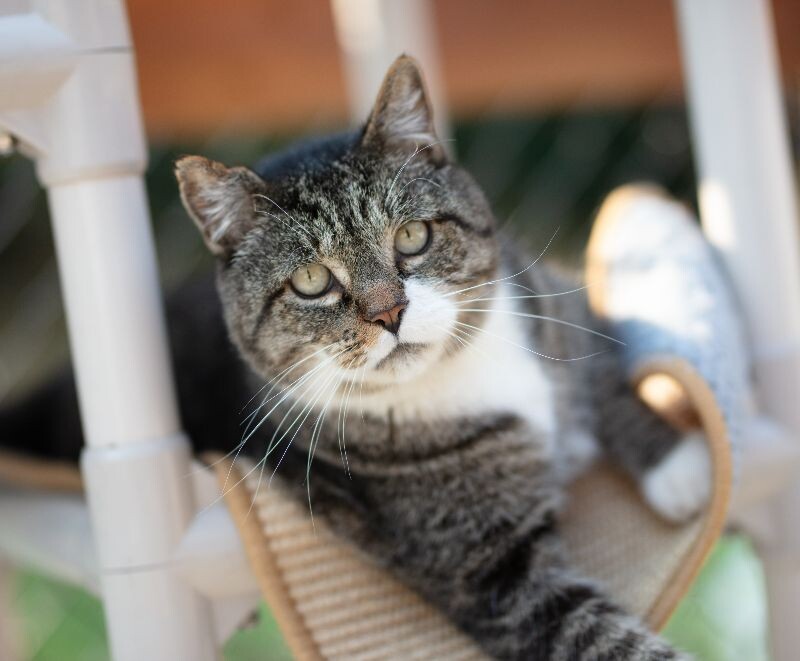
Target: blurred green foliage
column 724, row 616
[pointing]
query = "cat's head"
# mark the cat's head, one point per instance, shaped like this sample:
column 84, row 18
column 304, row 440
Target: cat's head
column 352, row 256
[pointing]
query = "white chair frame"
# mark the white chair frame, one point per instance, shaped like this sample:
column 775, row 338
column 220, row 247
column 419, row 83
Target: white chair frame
column 171, row 573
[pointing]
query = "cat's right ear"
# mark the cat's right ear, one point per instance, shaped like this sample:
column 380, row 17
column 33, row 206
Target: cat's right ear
column 220, row 200
column 402, row 115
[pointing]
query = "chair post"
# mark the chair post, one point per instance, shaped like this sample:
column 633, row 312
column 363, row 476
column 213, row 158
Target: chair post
column 371, row 34
column 748, row 208
column 68, row 94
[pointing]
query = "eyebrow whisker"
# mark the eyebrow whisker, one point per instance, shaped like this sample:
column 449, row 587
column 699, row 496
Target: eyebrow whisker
column 509, row 277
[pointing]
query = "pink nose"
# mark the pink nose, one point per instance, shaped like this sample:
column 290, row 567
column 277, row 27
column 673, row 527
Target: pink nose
column 389, row 319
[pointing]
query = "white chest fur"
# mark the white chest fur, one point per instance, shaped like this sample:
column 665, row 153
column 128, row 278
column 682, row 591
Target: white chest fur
column 495, row 373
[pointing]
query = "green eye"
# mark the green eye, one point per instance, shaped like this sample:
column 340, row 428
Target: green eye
column 412, row 238
column 311, row 280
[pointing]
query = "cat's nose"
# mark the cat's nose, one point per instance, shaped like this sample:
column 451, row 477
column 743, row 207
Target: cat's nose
column 389, row 318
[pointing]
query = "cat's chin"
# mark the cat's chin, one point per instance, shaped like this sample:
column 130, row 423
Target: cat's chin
column 404, row 363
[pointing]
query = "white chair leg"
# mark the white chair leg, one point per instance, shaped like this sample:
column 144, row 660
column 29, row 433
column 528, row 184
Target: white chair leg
column 371, row 34
column 73, row 104
column 749, row 211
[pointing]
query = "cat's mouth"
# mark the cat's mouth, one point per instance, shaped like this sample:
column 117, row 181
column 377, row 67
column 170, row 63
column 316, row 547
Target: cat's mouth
column 402, row 354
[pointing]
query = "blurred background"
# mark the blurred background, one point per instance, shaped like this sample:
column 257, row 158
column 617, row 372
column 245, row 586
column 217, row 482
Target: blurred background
column 551, row 104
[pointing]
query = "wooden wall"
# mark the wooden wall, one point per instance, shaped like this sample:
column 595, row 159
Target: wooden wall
column 256, row 65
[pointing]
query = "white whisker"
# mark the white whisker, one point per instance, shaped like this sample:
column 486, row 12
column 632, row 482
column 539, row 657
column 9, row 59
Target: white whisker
column 252, row 415
column 290, row 389
column 361, row 392
column 263, row 460
column 339, row 415
column 452, row 334
column 513, row 298
column 528, row 315
column 307, row 409
column 265, row 213
column 275, row 381
column 509, row 277
column 274, row 444
column 285, row 213
column 519, row 286
column 430, row 181
column 417, row 151
column 528, row 349
column 343, row 445
column 471, row 342
column 315, row 433
column 284, row 371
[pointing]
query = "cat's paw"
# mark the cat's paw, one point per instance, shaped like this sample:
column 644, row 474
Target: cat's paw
column 679, row 487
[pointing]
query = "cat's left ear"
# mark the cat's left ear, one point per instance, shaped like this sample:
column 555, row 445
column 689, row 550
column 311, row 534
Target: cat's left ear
column 220, row 200
column 402, row 114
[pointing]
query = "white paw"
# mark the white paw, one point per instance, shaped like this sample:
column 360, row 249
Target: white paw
column 680, row 486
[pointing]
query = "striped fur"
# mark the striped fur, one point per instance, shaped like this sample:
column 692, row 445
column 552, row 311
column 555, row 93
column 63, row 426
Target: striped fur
column 448, row 464
column 449, row 469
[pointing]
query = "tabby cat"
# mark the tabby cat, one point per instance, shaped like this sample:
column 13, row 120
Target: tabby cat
column 429, row 392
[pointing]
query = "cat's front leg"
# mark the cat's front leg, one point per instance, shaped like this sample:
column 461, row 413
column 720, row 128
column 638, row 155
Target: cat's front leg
column 679, row 486
column 524, row 603
column 672, row 468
